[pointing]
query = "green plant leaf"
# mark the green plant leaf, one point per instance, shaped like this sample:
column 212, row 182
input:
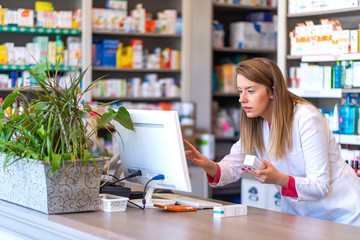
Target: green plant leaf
column 56, row 159
column 6, row 134
column 106, row 118
column 9, row 100
column 40, row 106
column 6, row 160
column 86, row 157
column 41, row 132
column 47, row 159
column 123, row 117
column 1, row 113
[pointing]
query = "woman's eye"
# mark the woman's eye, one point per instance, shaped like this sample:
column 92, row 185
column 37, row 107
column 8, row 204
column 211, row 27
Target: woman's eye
column 240, row 92
column 250, row 91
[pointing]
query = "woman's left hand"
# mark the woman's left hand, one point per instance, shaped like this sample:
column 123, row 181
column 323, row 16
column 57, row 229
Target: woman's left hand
column 268, row 174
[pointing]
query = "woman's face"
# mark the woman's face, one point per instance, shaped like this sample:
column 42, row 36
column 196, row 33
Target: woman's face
column 254, row 98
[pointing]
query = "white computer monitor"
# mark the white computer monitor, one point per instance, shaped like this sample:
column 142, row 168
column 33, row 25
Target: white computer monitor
column 155, row 147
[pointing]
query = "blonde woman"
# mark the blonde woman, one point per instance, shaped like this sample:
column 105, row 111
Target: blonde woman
column 293, row 140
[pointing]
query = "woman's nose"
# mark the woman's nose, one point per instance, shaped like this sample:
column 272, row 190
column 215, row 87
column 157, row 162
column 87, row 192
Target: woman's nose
column 242, row 98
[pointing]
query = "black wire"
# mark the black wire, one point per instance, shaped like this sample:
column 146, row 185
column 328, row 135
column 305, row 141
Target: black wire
column 114, row 177
column 144, row 193
column 137, row 173
column 135, row 204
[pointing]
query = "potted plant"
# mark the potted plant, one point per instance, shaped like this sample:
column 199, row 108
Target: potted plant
column 45, row 145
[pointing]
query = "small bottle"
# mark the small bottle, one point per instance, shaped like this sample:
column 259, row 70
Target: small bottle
column 344, row 65
column 59, row 50
column 337, row 74
column 357, row 115
column 335, row 120
column 347, row 115
column 349, row 74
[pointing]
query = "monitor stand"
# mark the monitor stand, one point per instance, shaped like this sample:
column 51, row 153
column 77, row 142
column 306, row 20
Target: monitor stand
column 151, row 201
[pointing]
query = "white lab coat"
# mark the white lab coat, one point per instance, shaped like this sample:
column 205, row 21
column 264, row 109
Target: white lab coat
column 327, row 187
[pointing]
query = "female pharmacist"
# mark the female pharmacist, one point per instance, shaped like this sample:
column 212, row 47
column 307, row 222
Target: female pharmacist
column 293, row 140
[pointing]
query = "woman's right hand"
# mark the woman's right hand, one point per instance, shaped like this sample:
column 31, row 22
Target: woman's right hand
column 196, row 157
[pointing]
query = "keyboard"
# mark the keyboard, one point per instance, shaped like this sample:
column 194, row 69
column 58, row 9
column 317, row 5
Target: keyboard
column 184, row 200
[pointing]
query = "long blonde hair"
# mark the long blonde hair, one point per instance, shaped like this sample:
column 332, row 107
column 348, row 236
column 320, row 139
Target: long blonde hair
column 264, row 71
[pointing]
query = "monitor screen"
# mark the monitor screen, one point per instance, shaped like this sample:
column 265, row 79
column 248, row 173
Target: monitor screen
column 155, row 147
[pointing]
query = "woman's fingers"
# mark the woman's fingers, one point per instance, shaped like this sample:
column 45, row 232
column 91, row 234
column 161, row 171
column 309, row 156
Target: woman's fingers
column 192, row 148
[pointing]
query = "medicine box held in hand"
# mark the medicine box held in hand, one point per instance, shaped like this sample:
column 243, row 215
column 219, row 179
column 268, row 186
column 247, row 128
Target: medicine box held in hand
column 253, row 162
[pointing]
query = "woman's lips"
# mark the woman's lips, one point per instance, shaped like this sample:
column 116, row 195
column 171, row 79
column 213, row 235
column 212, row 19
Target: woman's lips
column 247, row 109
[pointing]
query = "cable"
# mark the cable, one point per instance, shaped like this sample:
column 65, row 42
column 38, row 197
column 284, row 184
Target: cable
column 117, row 179
column 157, row 177
column 135, row 204
column 135, row 174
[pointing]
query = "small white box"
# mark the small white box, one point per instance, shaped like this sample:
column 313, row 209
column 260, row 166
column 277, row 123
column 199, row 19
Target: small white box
column 327, row 77
column 112, row 203
column 32, row 53
column 62, row 19
column 244, row 35
column 25, row 17
column 356, row 76
column 20, row 58
column 230, row 211
column 354, row 41
column 253, row 162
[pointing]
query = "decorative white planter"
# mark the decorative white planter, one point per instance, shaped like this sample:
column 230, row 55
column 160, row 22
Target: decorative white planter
column 33, row 185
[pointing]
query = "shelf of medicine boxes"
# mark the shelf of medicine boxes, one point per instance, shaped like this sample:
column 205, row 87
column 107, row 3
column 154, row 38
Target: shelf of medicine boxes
column 143, row 70
column 37, row 30
column 324, row 93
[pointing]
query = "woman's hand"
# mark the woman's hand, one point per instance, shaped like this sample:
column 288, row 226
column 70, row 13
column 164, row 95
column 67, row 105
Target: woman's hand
column 196, row 157
column 268, row 174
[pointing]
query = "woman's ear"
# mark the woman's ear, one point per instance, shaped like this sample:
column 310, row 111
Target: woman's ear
column 272, row 93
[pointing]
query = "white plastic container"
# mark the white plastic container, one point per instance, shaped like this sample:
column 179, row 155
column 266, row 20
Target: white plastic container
column 112, row 203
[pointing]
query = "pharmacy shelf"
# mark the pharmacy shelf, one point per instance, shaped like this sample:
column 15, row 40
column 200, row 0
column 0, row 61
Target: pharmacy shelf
column 8, row 67
column 226, row 139
column 351, row 90
column 348, row 139
column 137, row 99
column 222, row 94
column 330, row 57
column 290, row 57
column 37, row 30
column 341, row 11
column 317, row 93
column 243, row 50
column 12, row 89
column 135, row 70
column 128, row 34
column 239, row 7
